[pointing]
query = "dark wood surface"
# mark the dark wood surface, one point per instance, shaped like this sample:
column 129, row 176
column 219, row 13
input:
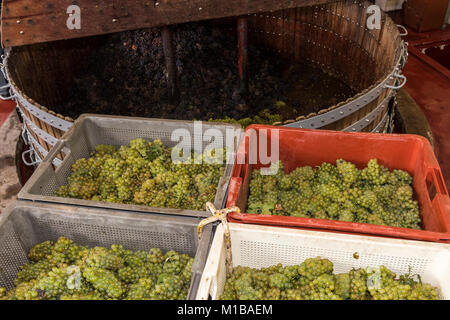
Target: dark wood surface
column 31, row 21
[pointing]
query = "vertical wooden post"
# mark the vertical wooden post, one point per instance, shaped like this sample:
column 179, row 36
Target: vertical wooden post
column 242, row 28
column 171, row 68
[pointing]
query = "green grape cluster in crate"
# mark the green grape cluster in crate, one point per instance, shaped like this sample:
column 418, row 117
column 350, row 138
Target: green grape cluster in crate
column 143, row 173
column 338, row 192
column 314, row 280
column 65, row 270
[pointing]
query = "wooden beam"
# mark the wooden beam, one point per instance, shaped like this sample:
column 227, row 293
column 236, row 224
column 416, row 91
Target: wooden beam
column 242, row 28
column 171, row 68
column 30, row 21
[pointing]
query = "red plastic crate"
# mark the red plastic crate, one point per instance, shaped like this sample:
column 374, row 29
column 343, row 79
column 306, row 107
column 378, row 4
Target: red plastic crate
column 303, row 147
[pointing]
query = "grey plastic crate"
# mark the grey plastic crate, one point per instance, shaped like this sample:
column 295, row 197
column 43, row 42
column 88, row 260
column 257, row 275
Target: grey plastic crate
column 25, row 224
column 91, row 130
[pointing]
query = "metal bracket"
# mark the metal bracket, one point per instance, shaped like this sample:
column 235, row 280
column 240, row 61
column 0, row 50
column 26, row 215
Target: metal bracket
column 404, row 54
column 6, row 86
column 5, row 75
column 24, row 135
column 397, row 75
column 405, row 31
column 4, row 60
column 35, row 144
column 10, row 97
column 32, row 153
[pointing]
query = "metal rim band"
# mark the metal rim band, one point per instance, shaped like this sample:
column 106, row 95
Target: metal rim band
column 340, row 112
column 42, row 115
column 41, row 133
column 368, row 119
column 381, row 124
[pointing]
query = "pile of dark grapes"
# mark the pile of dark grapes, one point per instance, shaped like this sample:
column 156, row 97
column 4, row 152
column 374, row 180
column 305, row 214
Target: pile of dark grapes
column 314, row 280
column 341, row 192
column 126, row 76
column 143, row 173
column 65, row 270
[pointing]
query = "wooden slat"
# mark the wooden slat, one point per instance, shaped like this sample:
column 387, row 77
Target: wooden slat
column 278, row 29
column 321, row 35
column 327, row 37
column 336, row 26
column 298, row 40
column 35, row 68
column 308, row 32
column 30, row 21
column 286, row 36
column 340, row 45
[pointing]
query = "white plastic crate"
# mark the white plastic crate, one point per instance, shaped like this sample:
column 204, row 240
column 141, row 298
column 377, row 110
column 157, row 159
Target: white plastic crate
column 262, row 246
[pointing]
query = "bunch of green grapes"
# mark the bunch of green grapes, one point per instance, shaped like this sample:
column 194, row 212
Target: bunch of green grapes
column 263, row 117
column 314, row 280
column 141, row 290
column 358, row 284
column 312, row 268
column 338, row 192
column 64, row 270
column 143, row 173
